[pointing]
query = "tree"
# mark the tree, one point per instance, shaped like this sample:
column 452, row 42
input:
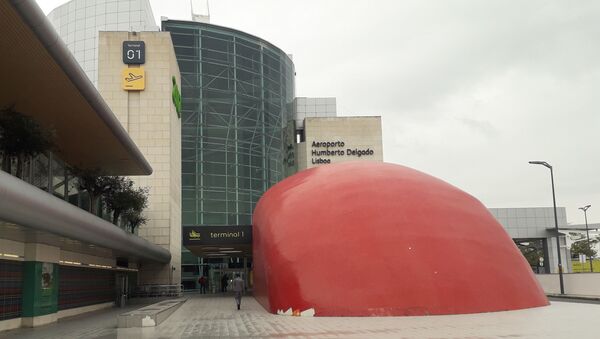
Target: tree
column 118, row 199
column 95, row 184
column 133, row 220
column 582, row 247
column 20, row 138
column 126, row 198
column 531, row 253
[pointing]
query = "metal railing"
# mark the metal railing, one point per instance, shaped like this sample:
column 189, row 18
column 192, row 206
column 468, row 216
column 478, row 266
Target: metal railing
column 153, row 291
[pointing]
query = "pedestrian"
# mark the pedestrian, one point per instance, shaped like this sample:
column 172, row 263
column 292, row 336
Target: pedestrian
column 224, row 279
column 238, row 288
column 202, row 281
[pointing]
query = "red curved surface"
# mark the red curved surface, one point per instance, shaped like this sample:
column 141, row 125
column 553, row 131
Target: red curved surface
column 373, row 239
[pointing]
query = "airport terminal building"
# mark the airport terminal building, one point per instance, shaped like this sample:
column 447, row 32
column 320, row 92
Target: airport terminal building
column 58, row 256
column 206, row 116
column 240, row 133
column 242, row 128
column 237, row 133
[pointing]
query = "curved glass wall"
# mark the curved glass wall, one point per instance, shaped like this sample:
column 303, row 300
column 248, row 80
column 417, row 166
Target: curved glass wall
column 237, row 120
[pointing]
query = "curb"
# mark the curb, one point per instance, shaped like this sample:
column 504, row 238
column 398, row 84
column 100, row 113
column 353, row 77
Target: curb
column 576, row 297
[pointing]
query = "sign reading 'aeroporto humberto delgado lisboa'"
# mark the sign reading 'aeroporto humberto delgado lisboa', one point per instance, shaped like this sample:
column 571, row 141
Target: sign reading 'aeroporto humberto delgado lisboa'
column 337, row 148
column 331, row 140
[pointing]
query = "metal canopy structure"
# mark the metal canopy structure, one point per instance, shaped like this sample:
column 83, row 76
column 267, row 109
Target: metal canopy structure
column 41, row 79
column 26, row 205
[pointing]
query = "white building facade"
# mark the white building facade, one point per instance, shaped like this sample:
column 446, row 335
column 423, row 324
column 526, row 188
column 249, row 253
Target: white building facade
column 150, row 117
column 340, row 139
column 79, row 21
column 94, row 31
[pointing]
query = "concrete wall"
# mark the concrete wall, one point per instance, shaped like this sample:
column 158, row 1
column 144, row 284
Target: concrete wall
column 301, row 156
column 523, row 223
column 44, row 253
column 587, row 284
column 54, row 253
column 12, row 248
column 348, row 133
column 150, row 118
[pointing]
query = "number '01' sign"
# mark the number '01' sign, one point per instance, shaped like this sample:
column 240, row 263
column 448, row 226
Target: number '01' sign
column 134, row 52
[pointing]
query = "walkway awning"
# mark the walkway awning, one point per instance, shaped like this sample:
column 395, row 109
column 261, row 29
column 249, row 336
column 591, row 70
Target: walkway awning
column 26, row 205
column 41, row 78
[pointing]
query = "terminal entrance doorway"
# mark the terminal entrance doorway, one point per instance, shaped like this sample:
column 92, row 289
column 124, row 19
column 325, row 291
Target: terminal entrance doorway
column 220, row 279
column 217, row 271
column 535, row 251
column 217, row 253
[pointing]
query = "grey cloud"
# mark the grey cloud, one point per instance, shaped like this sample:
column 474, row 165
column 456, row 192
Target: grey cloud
column 469, row 91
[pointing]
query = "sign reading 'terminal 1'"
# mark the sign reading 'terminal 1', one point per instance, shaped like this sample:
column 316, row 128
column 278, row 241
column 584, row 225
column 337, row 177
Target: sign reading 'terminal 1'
column 217, row 235
column 134, row 52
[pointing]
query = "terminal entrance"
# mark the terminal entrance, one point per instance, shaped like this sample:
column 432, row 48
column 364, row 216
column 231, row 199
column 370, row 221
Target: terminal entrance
column 535, row 251
column 219, row 272
column 218, row 253
column 220, row 279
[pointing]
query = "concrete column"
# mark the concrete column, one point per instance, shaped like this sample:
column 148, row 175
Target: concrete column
column 246, row 277
column 40, row 284
column 564, row 256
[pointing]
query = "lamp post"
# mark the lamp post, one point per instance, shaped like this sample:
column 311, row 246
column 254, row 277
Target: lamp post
column 584, row 209
column 560, row 268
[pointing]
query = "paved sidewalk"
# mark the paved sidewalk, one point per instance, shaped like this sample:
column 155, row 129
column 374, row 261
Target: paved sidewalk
column 97, row 324
column 216, row 316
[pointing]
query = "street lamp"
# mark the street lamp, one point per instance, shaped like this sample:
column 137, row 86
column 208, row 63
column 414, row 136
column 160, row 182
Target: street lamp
column 584, row 209
column 560, row 268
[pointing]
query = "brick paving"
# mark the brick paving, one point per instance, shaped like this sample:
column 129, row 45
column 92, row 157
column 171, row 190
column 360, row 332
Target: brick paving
column 216, row 316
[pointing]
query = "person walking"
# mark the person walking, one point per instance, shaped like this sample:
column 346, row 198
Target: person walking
column 224, row 283
column 238, row 288
column 202, row 281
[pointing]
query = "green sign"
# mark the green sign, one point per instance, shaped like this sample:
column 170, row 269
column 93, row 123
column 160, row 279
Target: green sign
column 176, row 97
column 40, row 288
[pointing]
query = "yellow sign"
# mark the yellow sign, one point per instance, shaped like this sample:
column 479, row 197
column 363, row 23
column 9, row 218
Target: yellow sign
column 133, row 79
column 194, row 235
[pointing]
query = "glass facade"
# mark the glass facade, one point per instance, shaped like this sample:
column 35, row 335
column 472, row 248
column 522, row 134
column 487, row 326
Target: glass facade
column 237, row 121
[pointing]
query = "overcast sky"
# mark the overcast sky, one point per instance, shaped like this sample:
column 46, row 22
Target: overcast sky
column 468, row 91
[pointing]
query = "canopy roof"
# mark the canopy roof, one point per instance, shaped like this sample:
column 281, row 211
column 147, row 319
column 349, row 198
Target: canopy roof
column 42, row 79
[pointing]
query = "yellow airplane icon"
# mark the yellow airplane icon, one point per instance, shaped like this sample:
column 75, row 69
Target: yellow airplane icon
column 133, row 77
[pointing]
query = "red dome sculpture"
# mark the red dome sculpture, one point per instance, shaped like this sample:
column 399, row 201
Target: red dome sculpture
column 376, row 239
